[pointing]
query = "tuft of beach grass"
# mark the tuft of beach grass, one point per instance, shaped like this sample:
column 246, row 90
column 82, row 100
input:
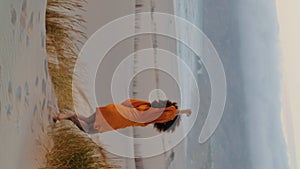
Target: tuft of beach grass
column 73, row 149
column 64, row 36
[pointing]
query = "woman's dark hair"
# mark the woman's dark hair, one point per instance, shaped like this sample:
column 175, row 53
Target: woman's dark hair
column 170, row 125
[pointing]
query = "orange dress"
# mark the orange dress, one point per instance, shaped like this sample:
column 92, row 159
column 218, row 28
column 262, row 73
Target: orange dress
column 131, row 112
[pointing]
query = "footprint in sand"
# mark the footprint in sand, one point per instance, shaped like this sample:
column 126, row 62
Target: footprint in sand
column 24, row 5
column 8, row 111
column 36, row 81
column 9, row 89
column 30, row 26
column 26, row 101
column 18, row 96
column 26, row 88
column 43, row 104
column 23, row 18
column 44, row 86
column 34, row 118
column 27, row 40
column 13, row 18
column 34, row 110
column 30, row 29
column 18, row 93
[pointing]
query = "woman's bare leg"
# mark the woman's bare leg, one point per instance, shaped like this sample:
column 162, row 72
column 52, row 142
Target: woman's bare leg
column 90, row 119
column 83, row 123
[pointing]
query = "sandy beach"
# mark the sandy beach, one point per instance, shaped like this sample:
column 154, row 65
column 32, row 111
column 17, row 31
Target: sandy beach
column 25, row 87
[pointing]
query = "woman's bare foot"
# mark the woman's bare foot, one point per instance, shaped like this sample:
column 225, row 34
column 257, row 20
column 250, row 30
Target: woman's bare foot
column 70, row 116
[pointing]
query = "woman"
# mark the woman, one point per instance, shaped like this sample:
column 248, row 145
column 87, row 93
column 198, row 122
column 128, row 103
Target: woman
column 132, row 112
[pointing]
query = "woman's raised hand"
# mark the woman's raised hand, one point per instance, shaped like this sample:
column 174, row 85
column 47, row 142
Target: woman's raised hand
column 188, row 112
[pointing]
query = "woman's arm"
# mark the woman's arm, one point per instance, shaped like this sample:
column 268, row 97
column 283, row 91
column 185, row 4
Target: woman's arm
column 133, row 103
column 149, row 115
column 188, row 112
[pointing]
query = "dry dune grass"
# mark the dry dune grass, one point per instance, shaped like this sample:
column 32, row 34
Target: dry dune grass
column 72, row 149
column 64, row 35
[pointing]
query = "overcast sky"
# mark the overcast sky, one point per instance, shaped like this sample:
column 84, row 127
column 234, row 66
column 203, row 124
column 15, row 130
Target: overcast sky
column 289, row 23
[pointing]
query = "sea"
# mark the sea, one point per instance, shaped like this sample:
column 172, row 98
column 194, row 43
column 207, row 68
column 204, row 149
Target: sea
column 245, row 35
